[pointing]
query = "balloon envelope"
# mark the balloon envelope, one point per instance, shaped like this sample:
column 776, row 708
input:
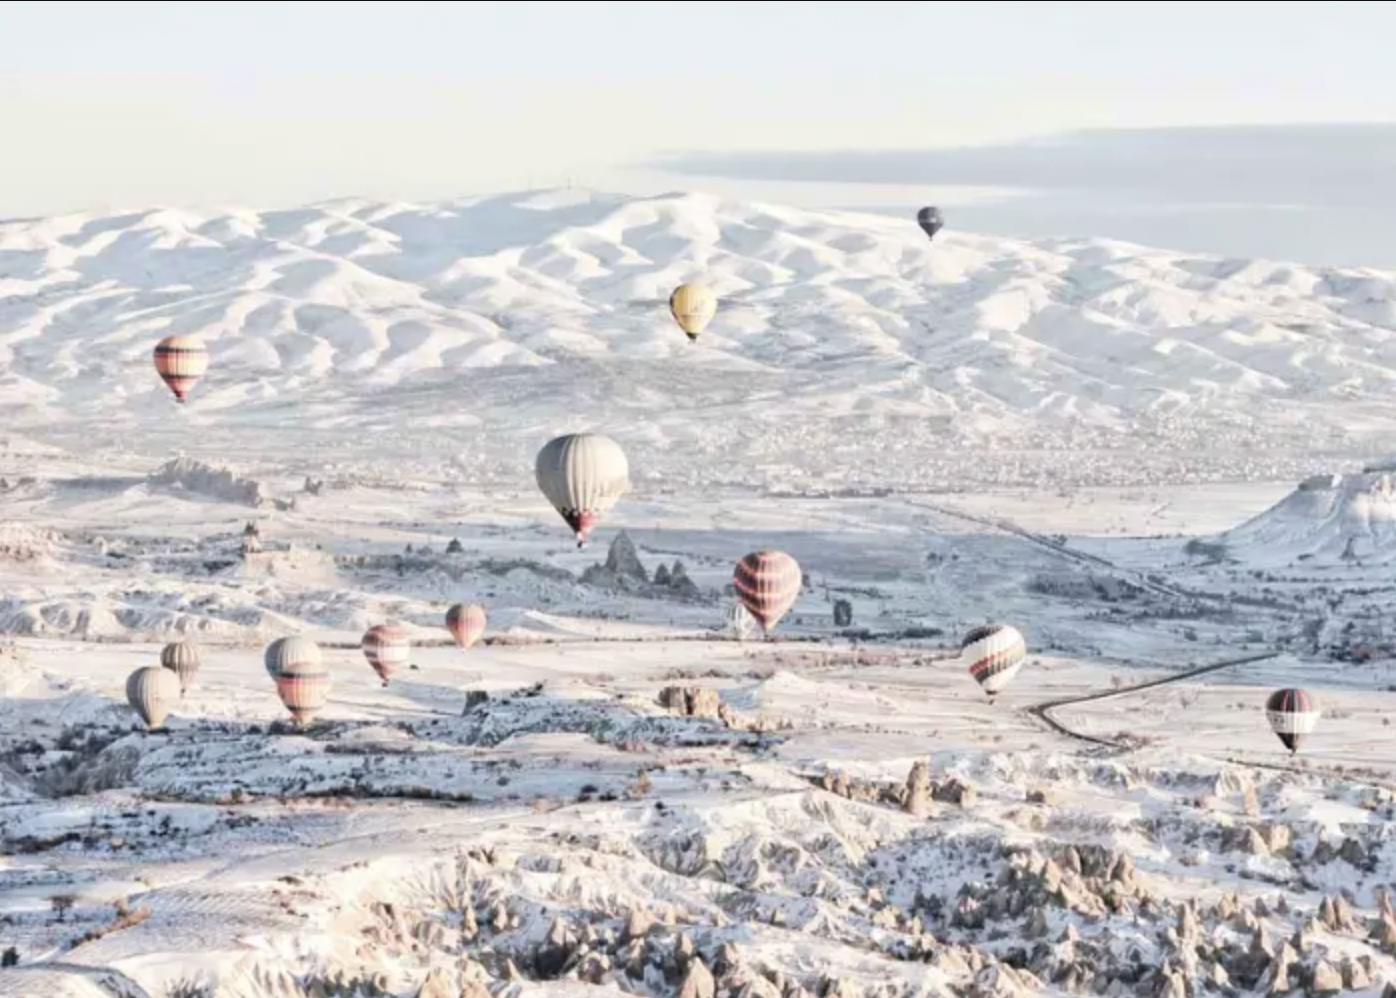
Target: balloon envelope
column 693, row 307
column 466, row 623
column 583, row 475
column 152, row 692
column 180, row 361
column 387, row 648
column 304, row 687
column 283, row 651
column 1293, row 714
column 767, row 584
column 183, row 659
column 993, row 654
column 930, row 221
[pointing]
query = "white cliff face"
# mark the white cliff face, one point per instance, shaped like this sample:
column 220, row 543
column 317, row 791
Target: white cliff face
column 1327, row 517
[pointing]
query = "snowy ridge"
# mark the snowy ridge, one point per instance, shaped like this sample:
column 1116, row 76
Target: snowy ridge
column 483, row 325
column 1327, row 518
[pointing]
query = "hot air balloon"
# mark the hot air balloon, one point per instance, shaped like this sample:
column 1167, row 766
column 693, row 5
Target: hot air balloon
column 181, row 361
column 303, row 686
column 1292, row 714
column 284, row 651
column 387, row 649
column 583, row 475
column 767, row 584
column 693, row 307
column 152, row 691
column 930, row 221
column 183, row 659
column 466, row 623
column 993, row 654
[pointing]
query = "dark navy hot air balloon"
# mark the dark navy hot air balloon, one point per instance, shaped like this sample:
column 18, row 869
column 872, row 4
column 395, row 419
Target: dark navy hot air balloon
column 930, row 221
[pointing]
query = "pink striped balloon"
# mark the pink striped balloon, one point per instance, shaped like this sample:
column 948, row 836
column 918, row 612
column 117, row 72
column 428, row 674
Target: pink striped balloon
column 466, row 623
column 387, row 648
column 304, row 687
column 767, row 584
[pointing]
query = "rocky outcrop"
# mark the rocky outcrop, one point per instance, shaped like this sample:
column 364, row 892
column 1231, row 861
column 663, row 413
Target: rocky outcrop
column 218, row 483
column 624, row 571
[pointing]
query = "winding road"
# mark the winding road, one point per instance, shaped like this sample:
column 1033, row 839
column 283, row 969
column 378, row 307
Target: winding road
column 1043, row 710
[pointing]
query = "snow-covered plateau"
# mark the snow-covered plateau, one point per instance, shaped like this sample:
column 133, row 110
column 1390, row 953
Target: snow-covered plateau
column 1149, row 462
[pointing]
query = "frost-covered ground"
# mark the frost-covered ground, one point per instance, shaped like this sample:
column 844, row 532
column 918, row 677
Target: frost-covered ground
column 841, row 812
column 773, row 841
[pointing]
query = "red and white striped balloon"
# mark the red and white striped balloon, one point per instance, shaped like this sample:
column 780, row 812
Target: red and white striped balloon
column 466, row 623
column 304, row 687
column 180, row 361
column 387, row 648
column 767, row 584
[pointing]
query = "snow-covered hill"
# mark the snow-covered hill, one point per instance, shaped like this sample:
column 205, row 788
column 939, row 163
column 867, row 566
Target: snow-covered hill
column 467, row 332
column 1327, row 518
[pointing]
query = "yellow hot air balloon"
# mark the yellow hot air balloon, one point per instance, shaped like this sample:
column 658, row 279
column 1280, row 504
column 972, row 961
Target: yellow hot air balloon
column 693, row 307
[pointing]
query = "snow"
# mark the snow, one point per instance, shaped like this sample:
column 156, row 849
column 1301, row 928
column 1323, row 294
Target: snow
column 1145, row 461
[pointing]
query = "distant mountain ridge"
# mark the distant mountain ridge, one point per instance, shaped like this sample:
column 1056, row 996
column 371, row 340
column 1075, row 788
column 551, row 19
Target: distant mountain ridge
column 480, row 326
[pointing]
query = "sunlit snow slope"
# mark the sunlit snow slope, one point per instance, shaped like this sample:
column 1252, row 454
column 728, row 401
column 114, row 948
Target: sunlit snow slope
column 472, row 330
column 1350, row 518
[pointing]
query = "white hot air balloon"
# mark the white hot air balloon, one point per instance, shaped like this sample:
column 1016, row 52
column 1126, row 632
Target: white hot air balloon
column 993, row 654
column 583, row 475
column 283, row 651
column 183, row 659
column 152, row 692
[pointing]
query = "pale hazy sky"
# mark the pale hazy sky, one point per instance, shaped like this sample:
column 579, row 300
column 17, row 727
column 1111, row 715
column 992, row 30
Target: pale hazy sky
column 129, row 104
